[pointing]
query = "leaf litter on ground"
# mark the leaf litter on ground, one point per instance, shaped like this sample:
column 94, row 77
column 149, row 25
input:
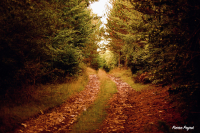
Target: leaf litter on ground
column 129, row 111
column 140, row 111
column 61, row 118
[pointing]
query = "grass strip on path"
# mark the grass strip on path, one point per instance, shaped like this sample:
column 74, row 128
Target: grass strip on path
column 92, row 118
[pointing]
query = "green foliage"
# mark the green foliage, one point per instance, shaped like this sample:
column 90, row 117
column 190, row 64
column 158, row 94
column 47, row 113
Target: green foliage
column 127, row 32
column 42, row 41
column 95, row 63
column 23, row 30
column 173, row 44
column 158, row 36
column 108, row 61
column 91, row 56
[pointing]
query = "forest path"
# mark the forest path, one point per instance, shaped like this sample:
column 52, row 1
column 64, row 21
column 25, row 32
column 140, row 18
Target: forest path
column 129, row 111
column 61, row 118
column 116, row 118
column 139, row 111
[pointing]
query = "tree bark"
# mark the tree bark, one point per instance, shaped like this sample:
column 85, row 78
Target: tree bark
column 119, row 60
column 125, row 64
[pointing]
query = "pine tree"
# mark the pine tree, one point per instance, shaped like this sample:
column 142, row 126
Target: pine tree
column 90, row 51
column 42, row 41
column 126, row 26
column 174, row 25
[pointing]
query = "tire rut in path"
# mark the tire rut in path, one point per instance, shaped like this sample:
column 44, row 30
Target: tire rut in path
column 62, row 118
column 116, row 118
column 139, row 112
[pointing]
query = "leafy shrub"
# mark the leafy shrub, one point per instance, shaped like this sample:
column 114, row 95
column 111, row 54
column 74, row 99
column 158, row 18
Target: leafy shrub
column 108, row 61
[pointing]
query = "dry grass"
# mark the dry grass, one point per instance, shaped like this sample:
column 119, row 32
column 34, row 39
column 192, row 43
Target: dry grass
column 90, row 71
column 21, row 105
column 126, row 76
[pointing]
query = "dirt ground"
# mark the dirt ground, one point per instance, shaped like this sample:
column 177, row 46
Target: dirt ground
column 129, row 111
column 139, row 112
column 62, row 118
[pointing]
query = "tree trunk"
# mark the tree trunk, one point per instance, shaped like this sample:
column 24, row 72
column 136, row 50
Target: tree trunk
column 125, row 63
column 119, row 60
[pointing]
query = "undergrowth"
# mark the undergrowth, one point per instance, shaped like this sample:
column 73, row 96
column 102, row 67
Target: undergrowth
column 94, row 116
column 19, row 105
column 127, row 76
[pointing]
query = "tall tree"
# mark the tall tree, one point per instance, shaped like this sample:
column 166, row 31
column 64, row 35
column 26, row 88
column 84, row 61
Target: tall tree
column 126, row 29
column 90, row 51
column 173, row 38
column 42, row 40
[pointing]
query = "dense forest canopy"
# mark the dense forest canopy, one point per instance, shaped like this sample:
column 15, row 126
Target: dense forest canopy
column 49, row 40
column 45, row 41
column 161, row 37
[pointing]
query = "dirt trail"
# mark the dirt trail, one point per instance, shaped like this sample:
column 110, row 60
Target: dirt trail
column 61, row 118
column 139, row 112
column 129, row 111
column 116, row 118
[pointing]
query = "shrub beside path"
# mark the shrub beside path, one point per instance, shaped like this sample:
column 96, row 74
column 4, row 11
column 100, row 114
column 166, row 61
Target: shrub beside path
column 60, row 119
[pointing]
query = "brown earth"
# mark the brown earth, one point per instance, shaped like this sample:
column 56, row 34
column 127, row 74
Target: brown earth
column 61, row 118
column 129, row 111
column 139, row 112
